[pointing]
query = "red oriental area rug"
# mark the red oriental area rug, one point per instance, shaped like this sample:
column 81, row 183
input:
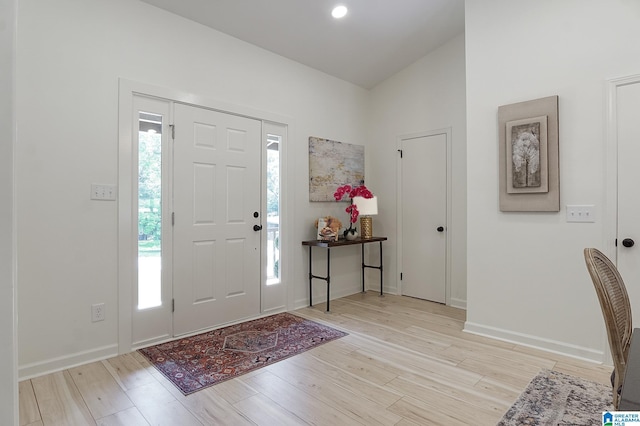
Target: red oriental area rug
column 200, row 361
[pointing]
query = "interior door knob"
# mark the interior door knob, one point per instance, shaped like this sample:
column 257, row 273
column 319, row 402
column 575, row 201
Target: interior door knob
column 440, row 229
column 628, row 242
column 257, row 227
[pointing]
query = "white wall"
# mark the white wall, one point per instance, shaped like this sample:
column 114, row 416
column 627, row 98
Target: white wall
column 527, row 280
column 8, row 370
column 526, row 276
column 71, row 55
column 428, row 95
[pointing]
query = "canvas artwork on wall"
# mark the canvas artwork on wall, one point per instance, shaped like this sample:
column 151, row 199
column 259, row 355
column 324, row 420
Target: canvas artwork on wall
column 527, row 159
column 529, row 174
column 333, row 164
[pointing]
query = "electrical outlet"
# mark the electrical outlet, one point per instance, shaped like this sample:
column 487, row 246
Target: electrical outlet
column 97, row 312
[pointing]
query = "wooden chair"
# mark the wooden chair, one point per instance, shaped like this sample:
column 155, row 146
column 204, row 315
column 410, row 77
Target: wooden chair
column 616, row 311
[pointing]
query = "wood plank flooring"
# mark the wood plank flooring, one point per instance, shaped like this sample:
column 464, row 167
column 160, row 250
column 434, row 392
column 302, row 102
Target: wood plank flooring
column 405, row 362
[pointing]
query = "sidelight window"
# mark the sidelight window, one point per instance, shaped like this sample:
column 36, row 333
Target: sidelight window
column 273, row 209
column 149, row 210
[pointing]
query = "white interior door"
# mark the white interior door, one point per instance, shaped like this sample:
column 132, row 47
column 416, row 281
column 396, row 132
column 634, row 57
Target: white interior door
column 423, row 206
column 216, row 194
column 628, row 258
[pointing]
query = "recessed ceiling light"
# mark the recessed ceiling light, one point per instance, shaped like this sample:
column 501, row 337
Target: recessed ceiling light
column 339, row 12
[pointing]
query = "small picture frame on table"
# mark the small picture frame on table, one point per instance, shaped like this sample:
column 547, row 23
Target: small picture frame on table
column 327, row 232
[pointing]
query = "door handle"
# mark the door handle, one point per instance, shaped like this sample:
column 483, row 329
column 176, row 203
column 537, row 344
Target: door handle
column 440, row 229
column 628, row 242
column 257, row 227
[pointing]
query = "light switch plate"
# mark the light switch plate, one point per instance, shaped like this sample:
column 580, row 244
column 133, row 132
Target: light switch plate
column 582, row 213
column 103, row 192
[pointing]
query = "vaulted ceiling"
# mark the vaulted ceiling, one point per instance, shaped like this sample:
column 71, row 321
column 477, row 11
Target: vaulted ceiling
column 375, row 40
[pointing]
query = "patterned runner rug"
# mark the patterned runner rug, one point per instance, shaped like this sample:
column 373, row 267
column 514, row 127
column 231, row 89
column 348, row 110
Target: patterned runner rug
column 554, row 398
column 200, row 361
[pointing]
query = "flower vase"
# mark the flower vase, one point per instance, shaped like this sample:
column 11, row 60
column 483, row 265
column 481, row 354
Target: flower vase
column 351, row 235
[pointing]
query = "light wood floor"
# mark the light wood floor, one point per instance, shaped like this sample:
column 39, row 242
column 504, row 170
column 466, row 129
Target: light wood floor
column 405, row 362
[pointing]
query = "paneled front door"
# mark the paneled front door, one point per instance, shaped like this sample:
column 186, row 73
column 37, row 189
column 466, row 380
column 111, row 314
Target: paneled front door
column 216, row 190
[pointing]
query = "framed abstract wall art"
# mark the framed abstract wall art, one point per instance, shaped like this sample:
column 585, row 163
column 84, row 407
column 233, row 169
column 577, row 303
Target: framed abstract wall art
column 529, row 170
column 333, row 164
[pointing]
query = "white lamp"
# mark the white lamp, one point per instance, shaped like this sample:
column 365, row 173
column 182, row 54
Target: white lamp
column 367, row 207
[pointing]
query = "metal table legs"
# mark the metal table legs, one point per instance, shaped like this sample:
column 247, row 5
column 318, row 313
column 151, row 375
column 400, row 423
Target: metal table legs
column 328, row 277
column 373, row 267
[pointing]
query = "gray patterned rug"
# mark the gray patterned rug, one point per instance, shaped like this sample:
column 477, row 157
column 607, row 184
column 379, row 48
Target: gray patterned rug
column 554, row 398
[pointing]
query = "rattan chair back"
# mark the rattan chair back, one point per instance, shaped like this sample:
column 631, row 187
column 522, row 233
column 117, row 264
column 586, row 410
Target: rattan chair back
column 616, row 311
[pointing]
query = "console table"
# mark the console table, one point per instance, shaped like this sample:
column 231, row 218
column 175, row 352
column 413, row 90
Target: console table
column 340, row 243
column 630, row 395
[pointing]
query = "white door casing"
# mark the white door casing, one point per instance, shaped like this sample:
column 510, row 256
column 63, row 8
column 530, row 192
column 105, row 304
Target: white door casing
column 628, row 205
column 217, row 203
column 424, row 215
column 620, row 199
column 280, row 297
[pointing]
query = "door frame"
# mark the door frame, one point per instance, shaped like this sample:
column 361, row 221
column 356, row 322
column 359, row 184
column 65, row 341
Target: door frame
column 447, row 132
column 610, row 193
column 126, row 226
column 610, row 196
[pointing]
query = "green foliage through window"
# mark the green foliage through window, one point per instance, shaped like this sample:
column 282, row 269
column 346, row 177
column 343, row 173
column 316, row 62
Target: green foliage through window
column 150, row 189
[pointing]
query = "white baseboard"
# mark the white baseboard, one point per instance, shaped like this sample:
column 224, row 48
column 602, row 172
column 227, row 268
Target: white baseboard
column 322, row 298
column 301, row 303
column 535, row 342
column 388, row 289
column 53, row 365
column 458, row 303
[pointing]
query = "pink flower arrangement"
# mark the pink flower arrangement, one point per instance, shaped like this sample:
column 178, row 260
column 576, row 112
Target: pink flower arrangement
column 352, row 209
column 356, row 191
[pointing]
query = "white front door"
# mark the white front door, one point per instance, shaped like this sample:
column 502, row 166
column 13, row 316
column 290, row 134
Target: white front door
column 423, row 206
column 216, row 198
column 628, row 258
